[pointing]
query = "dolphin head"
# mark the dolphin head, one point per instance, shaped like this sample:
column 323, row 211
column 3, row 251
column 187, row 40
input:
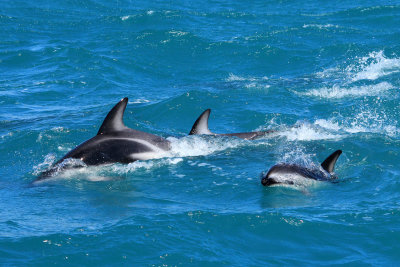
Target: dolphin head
column 279, row 174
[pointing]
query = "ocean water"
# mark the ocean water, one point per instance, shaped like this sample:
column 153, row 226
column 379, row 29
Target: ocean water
column 324, row 75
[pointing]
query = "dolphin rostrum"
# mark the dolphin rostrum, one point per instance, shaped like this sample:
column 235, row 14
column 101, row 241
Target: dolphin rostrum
column 201, row 127
column 290, row 173
column 114, row 142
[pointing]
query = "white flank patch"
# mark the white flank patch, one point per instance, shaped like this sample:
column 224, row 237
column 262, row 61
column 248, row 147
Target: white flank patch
column 296, row 179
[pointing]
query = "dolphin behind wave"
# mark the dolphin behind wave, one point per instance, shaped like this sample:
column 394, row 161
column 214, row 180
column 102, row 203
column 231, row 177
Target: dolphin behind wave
column 201, row 127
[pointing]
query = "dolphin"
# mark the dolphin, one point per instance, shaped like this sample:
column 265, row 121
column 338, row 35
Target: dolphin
column 113, row 143
column 290, row 173
column 201, row 127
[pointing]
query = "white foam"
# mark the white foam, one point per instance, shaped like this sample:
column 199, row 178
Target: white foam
column 59, row 129
column 63, row 148
column 143, row 165
column 177, row 33
column 149, row 13
column 139, row 101
column 47, row 162
column 320, row 26
column 249, row 82
column 190, row 146
column 367, row 121
column 307, row 132
column 330, row 125
column 337, row 91
column 327, row 73
column 233, row 78
column 373, row 66
column 92, row 174
column 371, row 121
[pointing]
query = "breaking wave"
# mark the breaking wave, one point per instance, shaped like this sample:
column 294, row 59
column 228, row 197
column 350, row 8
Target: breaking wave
column 337, row 91
column 357, row 78
column 305, row 131
column 373, row 66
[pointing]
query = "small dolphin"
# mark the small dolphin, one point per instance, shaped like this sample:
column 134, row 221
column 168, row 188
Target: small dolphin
column 114, row 142
column 289, row 173
column 201, row 127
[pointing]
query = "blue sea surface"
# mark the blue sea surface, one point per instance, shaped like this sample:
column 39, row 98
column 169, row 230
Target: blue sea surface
column 325, row 75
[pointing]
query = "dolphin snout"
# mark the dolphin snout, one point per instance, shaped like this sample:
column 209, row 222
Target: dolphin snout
column 266, row 181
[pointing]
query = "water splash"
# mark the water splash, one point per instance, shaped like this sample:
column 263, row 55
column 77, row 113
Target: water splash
column 305, row 131
column 347, row 78
column 365, row 121
column 190, row 146
column 48, row 161
column 373, row 66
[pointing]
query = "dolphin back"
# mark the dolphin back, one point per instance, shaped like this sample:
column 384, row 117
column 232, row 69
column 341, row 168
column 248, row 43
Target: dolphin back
column 200, row 126
column 114, row 119
column 329, row 162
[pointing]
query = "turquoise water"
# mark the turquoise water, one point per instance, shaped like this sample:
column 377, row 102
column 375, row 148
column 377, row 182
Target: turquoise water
column 326, row 76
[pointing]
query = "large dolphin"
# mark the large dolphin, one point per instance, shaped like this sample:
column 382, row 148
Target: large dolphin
column 201, row 127
column 114, row 142
column 291, row 173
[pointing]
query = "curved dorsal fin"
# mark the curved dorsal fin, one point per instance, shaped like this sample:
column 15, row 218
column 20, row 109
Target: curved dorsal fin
column 201, row 124
column 329, row 163
column 113, row 122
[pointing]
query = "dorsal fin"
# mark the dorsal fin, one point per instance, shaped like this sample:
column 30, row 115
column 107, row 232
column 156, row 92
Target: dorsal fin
column 329, row 163
column 201, row 124
column 113, row 122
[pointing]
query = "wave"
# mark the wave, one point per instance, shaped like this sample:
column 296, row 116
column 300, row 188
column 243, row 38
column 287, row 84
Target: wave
column 337, row 91
column 363, row 122
column 358, row 77
column 320, row 26
column 249, row 82
column 146, row 13
column 371, row 67
column 139, row 101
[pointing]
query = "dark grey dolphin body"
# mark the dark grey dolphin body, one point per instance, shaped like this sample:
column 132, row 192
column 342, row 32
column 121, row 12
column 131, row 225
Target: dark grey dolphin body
column 201, row 127
column 113, row 143
column 289, row 173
